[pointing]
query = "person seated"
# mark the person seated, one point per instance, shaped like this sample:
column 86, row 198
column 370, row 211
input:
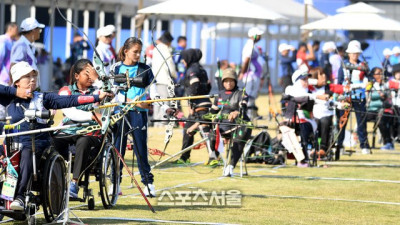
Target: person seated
column 233, row 103
column 299, row 110
column 81, row 84
column 378, row 101
column 321, row 110
column 25, row 77
column 394, row 85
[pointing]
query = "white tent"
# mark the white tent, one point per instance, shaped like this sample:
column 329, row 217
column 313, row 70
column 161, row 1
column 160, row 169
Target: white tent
column 359, row 16
column 292, row 9
column 212, row 10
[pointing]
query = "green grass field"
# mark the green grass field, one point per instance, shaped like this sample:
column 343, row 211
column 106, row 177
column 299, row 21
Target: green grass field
column 359, row 189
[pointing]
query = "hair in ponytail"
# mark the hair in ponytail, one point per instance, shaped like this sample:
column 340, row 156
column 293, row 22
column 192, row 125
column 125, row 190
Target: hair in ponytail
column 129, row 43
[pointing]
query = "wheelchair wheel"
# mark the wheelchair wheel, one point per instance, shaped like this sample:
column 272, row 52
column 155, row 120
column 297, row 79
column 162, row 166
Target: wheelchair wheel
column 109, row 177
column 53, row 186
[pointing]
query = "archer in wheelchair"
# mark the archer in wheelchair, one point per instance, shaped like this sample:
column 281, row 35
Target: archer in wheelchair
column 232, row 102
column 379, row 107
column 299, row 116
column 87, row 146
column 47, row 176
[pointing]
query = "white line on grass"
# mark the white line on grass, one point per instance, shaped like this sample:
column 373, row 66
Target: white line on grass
column 154, row 220
column 362, row 164
column 327, row 178
column 319, row 198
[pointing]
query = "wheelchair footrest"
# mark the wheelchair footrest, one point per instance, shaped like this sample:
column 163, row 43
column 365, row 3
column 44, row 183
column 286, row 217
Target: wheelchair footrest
column 16, row 215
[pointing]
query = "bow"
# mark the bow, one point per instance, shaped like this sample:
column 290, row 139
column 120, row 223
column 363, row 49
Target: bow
column 171, row 94
column 106, row 114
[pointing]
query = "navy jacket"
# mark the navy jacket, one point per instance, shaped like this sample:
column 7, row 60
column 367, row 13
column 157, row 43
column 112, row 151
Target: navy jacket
column 50, row 101
column 7, row 94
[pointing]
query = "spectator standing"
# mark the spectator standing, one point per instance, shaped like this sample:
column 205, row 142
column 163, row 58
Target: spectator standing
column 303, row 57
column 251, row 72
column 387, row 67
column 113, row 33
column 287, row 57
column 163, row 71
column 6, row 43
column 328, row 49
column 23, row 49
column 77, row 47
column 394, row 58
column 104, row 48
column 315, row 62
column 180, row 68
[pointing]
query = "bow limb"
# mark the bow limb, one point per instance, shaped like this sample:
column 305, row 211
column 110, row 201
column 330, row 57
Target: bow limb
column 171, row 94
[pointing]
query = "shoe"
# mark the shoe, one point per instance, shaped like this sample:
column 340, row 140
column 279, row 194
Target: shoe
column 302, row 165
column 17, row 204
column 228, row 172
column 73, row 189
column 213, row 162
column 150, row 193
column 181, row 161
column 388, row 146
column 365, row 151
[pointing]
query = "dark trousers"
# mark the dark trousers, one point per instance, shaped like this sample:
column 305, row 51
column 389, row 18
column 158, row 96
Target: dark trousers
column 26, row 165
column 189, row 139
column 239, row 138
column 324, row 131
column 138, row 122
column 83, row 150
column 359, row 107
column 385, row 125
column 305, row 131
column 396, row 123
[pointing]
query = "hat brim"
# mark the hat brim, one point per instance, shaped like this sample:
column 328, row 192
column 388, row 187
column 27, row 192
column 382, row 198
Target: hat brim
column 41, row 26
column 303, row 76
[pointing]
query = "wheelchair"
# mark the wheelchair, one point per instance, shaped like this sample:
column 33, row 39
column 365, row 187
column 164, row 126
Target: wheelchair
column 103, row 165
column 48, row 190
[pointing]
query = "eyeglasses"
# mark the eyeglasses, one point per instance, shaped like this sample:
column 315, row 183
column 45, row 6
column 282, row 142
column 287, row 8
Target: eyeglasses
column 109, row 36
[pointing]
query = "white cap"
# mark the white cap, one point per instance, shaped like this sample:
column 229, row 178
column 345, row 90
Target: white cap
column 300, row 73
column 283, row 47
column 103, row 31
column 354, row 47
column 396, row 50
column 255, row 31
column 111, row 28
column 330, row 45
column 19, row 70
column 387, row 52
column 30, row 24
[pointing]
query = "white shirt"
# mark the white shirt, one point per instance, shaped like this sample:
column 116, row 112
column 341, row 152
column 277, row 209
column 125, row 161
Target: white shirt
column 321, row 107
column 163, row 77
column 106, row 55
